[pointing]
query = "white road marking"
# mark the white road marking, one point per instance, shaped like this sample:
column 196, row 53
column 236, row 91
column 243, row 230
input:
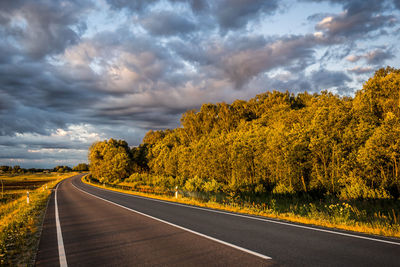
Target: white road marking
column 61, row 251
column 182, row 228
column 259, row 219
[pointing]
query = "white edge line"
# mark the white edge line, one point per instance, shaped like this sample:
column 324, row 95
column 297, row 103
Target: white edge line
column 61, row 250
column 182, row 228
column 257, row 218
column 41, row 231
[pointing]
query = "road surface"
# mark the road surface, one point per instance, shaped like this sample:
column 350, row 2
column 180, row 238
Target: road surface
column 98, row 227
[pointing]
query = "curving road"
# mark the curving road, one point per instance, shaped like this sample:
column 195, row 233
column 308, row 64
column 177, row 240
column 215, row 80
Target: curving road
column 97, row 227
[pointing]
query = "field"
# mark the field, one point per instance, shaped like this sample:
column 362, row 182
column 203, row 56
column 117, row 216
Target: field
column 20, row 221
column 14, row 187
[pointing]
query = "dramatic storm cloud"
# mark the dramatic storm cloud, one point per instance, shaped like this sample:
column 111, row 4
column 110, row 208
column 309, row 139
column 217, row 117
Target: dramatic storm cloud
column 74, row 72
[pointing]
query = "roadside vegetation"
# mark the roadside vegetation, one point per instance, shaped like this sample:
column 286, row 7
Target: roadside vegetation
column 378, row 217
column 316, row 158
column 21, row 222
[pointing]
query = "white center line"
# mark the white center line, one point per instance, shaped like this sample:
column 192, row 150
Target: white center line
column 61, row 251
column 183, row 228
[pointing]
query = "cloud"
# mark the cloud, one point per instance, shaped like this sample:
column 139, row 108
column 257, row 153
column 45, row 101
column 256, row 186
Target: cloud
column 374, row 57
column 239, row 59
column 69, row 144
column 296, row 51
column 397, row 3
column 353, row 58
column 301, row 81
column 227, row 14
column 42, row 28
column 328, row 79
column 360, row 70
column 378, row 56
column 73, row 72
column 167, row 23
column 136, row 6
column 359, row 19
column 237, row 13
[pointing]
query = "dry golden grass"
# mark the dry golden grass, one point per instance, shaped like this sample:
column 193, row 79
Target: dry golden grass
column 20, row 221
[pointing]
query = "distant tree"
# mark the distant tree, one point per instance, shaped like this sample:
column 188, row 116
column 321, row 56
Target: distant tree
column 17, row 169
column 62, row 168
column 81, row 167
column 6, row 169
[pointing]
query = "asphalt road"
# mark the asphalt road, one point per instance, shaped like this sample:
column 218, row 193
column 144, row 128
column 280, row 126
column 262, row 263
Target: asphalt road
column 105, row 228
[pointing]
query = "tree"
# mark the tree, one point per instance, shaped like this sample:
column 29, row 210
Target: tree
column 110, row 161
column 380, row 157
column 81, row 167
column 5, row 169
column 17, row 169
column 275, row 142
column 61, row 168
column 139, row 156
column 380, row 94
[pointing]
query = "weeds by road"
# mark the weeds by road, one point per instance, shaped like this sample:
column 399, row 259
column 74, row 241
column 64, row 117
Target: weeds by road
column 378, row 217
column 21, row 221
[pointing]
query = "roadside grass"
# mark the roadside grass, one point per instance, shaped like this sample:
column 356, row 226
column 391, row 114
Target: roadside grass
column 377, row 217
column 21, row 222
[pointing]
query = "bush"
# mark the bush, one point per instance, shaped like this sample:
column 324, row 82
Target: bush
column 280, row 188
column 211, row 186
column 356, row 188
column 194, row 184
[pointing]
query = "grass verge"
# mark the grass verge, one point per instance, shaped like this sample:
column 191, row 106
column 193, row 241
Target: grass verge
column 338, row 215
column 21, row 222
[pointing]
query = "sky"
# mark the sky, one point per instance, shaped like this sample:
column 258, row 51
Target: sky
column 76, row 72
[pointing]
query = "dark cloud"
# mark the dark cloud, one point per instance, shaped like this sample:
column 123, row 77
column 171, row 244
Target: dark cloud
column 239, row 59
column 378, row 56
column 301, row 81
column 324, row 79
column 227, row 14
column 360, row 18
column 167, row 23
column 234, row 14
column 287, row 81
column 313, row 82
column 397, row 3
column 41, row 28
column 136, row 5
column 243, row 65
column 196, row 6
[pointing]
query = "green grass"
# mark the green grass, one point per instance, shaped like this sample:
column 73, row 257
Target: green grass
column 374, row 216
column 20, row 221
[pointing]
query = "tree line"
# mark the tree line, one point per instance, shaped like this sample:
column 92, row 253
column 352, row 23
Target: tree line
column 16, row 169
column 276, row 142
